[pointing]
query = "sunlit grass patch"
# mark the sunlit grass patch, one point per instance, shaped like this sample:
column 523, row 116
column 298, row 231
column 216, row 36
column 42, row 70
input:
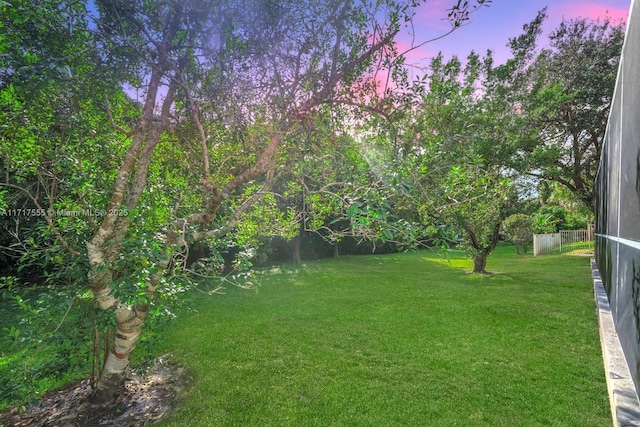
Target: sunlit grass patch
column 404, row 339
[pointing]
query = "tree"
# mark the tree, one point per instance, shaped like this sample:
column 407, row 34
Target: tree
column 463, row 127
column 518, row 228
column 582, row 61
column 462, row 149
column 224, row 88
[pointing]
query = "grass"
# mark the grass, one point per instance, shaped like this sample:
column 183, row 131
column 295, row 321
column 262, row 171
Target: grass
column 407, row 339
column 585, row 248
column 580, row 248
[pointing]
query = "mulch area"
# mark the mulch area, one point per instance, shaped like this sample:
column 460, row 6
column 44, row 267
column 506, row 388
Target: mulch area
column 148, row 398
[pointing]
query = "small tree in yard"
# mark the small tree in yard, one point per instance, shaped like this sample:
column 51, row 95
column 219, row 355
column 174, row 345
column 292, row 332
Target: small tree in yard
column 518, row 228
column 464, row 145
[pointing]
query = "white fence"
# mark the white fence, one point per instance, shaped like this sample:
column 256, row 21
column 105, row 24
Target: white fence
column 562, row 241
column 545, row 243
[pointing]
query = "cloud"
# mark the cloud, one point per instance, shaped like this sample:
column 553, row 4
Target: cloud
column 593, row 11
column 434, row 9
column 433, row 14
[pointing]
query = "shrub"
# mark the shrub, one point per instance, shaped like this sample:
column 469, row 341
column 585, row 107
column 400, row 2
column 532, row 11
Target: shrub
column 518, row 228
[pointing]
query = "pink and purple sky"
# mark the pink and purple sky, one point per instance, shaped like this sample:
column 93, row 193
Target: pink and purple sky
column 491, row 27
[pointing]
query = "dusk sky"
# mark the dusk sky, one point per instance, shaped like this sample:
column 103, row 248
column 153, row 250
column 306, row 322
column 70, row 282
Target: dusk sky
column 491, row 27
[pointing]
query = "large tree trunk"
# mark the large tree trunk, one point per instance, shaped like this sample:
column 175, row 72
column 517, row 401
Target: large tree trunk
column 482, row 252
column 480, row 263
column 129, row 320
column 110, row 386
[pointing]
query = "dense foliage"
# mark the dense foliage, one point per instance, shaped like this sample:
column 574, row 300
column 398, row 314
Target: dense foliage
column 581, row 61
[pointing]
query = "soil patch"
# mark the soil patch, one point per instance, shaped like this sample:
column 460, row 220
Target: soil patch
column 148, row 398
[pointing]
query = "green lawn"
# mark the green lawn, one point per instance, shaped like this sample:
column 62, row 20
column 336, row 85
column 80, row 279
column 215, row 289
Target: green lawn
column 405, row 339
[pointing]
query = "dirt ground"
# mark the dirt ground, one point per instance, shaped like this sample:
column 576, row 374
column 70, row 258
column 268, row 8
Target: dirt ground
column 148, row 398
